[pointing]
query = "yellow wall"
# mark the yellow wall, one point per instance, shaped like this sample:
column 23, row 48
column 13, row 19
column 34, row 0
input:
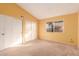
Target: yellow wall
column 69, row 36
column 78, row 32
column 15, row 11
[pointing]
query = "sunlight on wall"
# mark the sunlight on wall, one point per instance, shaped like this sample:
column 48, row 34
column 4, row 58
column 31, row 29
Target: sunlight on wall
column 31, row 31
column 34, row 30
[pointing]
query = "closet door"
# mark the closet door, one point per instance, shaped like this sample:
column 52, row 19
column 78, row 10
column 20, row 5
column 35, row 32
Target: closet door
column 13, row 31
column 2, row 42
column 31, row 31
column 28, row 32
column 17, row 32
column 34, row 31
column 10, row 31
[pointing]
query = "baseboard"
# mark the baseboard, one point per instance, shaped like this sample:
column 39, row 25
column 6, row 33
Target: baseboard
column 60, row 43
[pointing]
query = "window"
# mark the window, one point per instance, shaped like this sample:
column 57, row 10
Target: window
column 56, row 26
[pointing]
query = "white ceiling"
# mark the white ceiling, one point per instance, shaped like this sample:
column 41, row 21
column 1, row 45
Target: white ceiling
column 46, row 10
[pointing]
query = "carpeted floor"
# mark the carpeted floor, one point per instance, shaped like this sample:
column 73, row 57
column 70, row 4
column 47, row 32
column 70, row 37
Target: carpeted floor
column 40, row 48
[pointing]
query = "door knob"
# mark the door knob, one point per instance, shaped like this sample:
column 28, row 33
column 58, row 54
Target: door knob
column 3, row 34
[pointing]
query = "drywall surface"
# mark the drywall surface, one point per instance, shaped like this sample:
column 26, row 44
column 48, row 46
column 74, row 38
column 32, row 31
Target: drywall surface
column 69, row 36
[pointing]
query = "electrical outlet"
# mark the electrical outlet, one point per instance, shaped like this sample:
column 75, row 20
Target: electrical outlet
column 71, row 40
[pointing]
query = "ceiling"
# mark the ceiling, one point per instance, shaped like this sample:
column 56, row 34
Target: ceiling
column 46, row 10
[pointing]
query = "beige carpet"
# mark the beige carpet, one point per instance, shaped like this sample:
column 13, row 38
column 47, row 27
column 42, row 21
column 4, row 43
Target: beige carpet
column 40, row 48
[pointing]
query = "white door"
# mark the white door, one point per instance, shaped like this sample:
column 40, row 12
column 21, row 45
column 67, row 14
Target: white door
column 11, row 30
column 28, row 35
column 1, row 32
column 31, row 31
column 34, row 31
